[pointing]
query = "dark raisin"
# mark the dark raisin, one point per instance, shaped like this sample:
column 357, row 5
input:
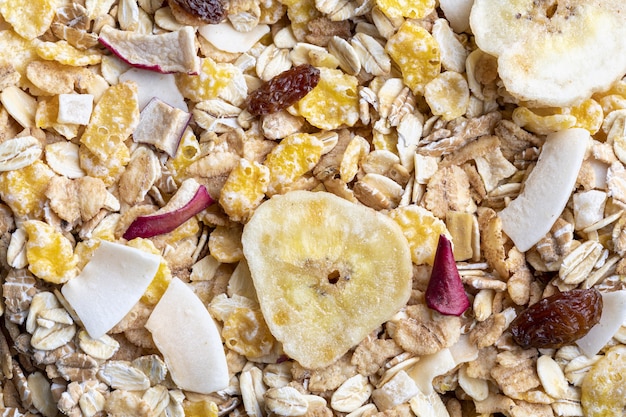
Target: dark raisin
column 209, row 11
column 558, row 320
column 283, row 90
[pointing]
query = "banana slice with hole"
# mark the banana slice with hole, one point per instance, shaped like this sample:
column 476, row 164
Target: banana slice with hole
column 327, row 272
column 553, row 52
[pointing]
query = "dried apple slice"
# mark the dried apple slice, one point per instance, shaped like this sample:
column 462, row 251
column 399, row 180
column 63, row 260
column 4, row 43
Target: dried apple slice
column 186, row 335
column 327, row 272
column 167, row 53
column 190, row 199
column 161, row 125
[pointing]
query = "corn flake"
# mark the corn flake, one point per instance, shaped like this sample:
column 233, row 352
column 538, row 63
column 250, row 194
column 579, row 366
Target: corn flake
column 29, row 18
column 188, row 152
column 161, row 279
column 542, row 121
column 244, row 189
column 46, row 118
column 24, row 189
column 417, row 54
column 246, row 332
column 113, row 119
column 225, row 243
column 22, row 53
column 300, row 13
column 406, row 8
column 109, row 170
column 293, row 157
column 212, row 80
column 64, row 53
column 589, row 115
column 50, row 254
column 422, row 229
column 333, row 103
column 203, row 408
column 448, row 95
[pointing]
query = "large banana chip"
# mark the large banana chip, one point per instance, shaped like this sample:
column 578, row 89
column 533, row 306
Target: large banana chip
column 327, row 272
column 553, row 53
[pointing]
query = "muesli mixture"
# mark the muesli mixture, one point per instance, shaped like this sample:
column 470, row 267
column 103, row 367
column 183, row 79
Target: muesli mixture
column 359, row 208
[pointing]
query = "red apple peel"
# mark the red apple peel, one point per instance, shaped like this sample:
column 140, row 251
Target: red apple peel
column 445, row 292
column 164, row 222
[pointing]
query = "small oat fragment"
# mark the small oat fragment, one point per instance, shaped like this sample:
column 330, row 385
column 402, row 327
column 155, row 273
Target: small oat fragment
column 445, row 292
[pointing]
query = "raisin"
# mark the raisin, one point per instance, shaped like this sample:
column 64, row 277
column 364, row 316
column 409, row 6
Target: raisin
column 283, row 90
column 208, row 11
column 557, row 320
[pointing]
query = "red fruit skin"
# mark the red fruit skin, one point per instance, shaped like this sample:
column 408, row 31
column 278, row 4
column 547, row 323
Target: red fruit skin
column 445, row 293
column 158, row 224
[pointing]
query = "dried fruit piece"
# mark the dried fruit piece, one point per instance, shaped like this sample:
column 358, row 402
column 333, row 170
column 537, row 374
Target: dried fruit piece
column 319, row 265
column 283, row 90
column 167, row 52
column 196, row 12
column 182, row 328
column 604, row 386
column 445, row 292
column 161, row 125
column 190, row 199
column 545, row 49
column 558, row 320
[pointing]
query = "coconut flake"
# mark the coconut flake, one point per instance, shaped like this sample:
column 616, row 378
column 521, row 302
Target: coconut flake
column 224, row 36
column 152, row 84
column 613, row 316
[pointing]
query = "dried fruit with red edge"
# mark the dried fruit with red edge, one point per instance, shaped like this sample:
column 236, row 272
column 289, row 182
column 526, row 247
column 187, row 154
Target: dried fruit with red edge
column 284, row 90
column 445, row 292
column 558, row 320
column 190, row 199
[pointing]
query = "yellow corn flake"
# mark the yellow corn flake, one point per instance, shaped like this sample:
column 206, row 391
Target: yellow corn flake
column 417, row 54
column 22, row 53
column 85, row 249
column 300, row 13
column 589, row 115
column 113, row 119
column 46, row 118
column 108, row 171
column 604, row 386
column 448, row 95
column 202, row 408
column 385, row 141
column 209, row 83
column 271, row 12
column 49, row 253
column 542, row 121
column 612, row 102
column 225, row 243
column 422, row 229
column 290, row 159
column 246, row 332
column 163, row 276
column 188, row 152
column 24, row 189
column 414, row 9
column 64, row 53
column 333, row 103
column 244, row 189
column 29, row 18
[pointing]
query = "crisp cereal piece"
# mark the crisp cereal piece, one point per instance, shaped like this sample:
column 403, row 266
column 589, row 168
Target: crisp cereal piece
column 109, row 170
column 202, row 408
column 333, row 103
column 246, row 332
column 213, row 79
column 161, row 279
column 52, row 77
column 23, row 190
column 113, row 119
column 225, row 243
column 542, row 121
column 589, row 115
column 604, row 388
column 22, row 51
column 448, row 189
column 423, row 331
column 448, row 95
column 244, row 189
column 422, row 230
column 417, row 54
column 492, row 240
column 300, row 13
column 406, row 8
column 29, row 19
column 50, row 254
column 46, row 118
column 187, row 153
column 293, row 157
column 66, row 54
